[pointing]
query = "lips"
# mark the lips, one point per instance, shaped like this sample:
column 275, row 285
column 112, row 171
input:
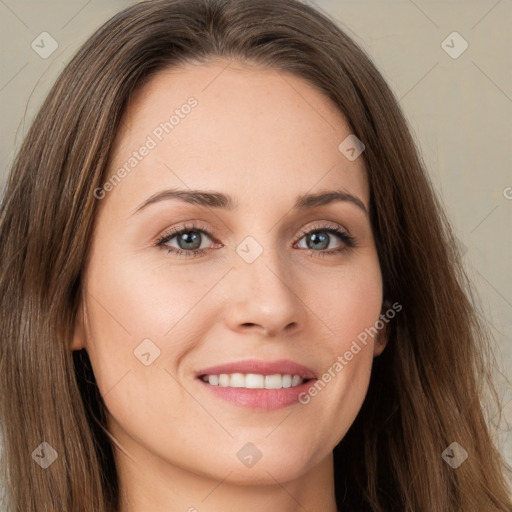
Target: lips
column 281, row 366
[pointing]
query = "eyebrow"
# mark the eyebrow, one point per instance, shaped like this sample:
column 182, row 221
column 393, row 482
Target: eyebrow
column 219, row 200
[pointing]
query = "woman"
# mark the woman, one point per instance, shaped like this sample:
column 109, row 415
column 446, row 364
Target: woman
column 227, row 282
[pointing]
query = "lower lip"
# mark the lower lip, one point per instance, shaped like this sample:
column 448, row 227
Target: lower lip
column 266, row 399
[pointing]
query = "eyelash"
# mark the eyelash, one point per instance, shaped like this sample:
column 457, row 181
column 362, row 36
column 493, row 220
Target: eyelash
column 348, row 240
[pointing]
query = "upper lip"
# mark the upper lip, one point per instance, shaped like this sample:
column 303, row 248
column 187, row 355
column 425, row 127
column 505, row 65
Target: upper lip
column 281, row 366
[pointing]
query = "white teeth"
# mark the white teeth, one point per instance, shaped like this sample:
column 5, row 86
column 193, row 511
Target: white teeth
column 237, row 380
column 254, row 380
column 223, row 380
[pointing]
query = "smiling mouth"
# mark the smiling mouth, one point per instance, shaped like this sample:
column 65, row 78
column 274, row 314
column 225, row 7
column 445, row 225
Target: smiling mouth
column 254, row 380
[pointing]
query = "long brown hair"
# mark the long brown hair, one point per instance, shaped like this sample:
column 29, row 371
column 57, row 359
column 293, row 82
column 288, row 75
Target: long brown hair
column 427, row 388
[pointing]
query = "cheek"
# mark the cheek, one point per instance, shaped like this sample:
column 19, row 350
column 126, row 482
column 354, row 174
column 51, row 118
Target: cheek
column 350, row 308
column 131, row 300
column 348, row 300
column 142, row 318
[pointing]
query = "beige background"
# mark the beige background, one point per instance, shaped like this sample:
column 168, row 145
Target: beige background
column 460, row 111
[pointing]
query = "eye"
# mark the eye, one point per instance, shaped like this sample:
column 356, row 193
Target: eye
column 319, row 238
column 189, row 239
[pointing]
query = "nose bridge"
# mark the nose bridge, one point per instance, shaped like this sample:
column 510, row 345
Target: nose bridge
column 260, row 288
column 261, row 256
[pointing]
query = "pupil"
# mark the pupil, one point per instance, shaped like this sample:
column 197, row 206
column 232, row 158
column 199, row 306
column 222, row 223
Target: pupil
column 187, row 238
column 318, row 240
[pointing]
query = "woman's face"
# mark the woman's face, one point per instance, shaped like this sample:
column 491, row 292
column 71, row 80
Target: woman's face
column 272, row 282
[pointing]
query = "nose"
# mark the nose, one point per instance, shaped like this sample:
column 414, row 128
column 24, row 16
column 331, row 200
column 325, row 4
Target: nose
column 260, row 298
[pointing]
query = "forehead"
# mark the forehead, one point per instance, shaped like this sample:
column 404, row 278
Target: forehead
column 253, row 132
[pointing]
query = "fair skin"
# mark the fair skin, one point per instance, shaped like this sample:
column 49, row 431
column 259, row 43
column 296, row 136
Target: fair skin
column 264, row 138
